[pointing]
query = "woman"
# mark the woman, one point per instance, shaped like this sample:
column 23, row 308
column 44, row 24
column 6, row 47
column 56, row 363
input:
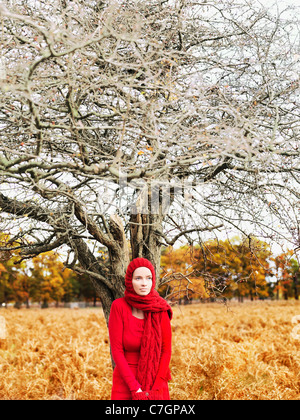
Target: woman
column 140, row 337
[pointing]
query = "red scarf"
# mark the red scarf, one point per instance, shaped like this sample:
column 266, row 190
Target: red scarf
column 152, row 305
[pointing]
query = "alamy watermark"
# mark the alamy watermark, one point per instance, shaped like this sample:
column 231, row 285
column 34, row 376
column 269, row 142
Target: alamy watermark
column 3, row 331
column 146, row 196
column 295, row 334
column 2, row 69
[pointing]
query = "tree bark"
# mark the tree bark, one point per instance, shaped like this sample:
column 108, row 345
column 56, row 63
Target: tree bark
column 145, row 239
column 295, row 284
column 89, row 263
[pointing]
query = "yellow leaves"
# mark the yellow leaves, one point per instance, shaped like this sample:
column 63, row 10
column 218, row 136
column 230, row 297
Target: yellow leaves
column 231, row 262
column 142, row 152
column 54, row 280
column 2, row 268
column 178, row 266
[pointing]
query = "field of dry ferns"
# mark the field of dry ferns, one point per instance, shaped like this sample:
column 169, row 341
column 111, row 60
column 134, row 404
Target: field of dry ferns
column 247, row 351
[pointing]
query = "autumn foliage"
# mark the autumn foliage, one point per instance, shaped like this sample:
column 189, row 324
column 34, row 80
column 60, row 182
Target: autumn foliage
column 44, row 279
column 235, row 268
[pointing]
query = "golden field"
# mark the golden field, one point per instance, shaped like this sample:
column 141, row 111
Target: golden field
column 237, row 352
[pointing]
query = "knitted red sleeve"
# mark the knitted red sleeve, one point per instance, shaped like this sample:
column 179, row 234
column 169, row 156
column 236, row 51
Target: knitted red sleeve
column 115, row 328
column 163, row 374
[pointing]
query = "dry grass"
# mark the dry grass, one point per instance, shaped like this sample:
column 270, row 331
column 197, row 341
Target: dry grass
column 244, row 352
column 55, row 354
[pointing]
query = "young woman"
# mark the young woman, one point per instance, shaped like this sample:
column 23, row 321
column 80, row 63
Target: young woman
column 140, row 337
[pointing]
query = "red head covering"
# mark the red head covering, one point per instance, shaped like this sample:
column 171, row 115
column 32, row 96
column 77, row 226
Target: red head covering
column 137, row 263
column 152, row 305
column 151, row 302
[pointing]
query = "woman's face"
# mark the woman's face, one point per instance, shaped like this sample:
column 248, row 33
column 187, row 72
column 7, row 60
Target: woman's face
column 142, row 281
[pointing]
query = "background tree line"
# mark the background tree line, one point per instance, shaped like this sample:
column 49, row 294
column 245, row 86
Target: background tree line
column 235, row 268
column 44, row 279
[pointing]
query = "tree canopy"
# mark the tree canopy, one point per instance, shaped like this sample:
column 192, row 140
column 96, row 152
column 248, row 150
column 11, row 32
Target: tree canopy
column 147, row 122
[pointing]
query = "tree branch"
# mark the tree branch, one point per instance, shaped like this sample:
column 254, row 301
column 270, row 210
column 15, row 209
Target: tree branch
column 172, row 241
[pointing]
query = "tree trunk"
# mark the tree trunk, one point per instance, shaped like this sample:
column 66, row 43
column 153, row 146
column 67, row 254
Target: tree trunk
column 145, row 242
column 296, row 294
column 145, row 239
column 89, row 262
column 277, row 290
column 113, row 287
column 45, row 304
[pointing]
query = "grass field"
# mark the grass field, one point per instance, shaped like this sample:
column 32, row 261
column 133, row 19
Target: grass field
column 244, row 351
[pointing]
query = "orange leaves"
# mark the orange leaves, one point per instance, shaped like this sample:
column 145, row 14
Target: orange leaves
column 223, row 268
column 179, row 269
column 2, row 268
column 52, row 281
column 142, row 152
column 285, row 271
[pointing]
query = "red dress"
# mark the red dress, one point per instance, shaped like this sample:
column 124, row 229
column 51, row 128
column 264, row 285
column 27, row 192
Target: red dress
column 125, row 333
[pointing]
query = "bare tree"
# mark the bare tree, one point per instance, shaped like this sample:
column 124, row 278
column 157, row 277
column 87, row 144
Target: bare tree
column 146, row 122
